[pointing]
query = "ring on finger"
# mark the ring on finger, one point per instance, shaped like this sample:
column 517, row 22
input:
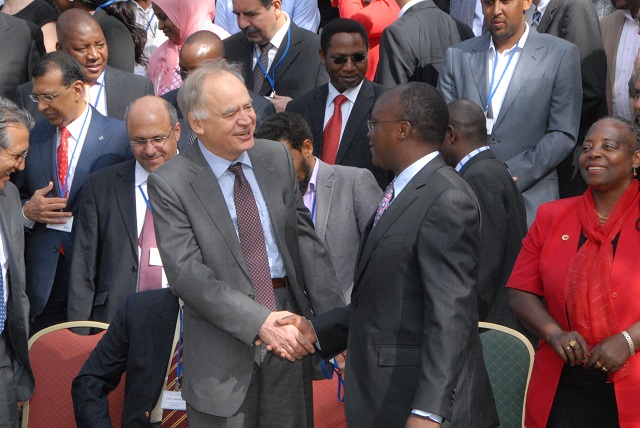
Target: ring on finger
column 604, row 369
column 572, row 343
column 568, row 348
column 598, row 364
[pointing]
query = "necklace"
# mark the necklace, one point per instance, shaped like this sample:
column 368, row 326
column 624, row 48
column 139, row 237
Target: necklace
column 602, row 218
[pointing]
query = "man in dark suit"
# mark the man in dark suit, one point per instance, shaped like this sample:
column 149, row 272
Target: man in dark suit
column 106, row 255
column 19, row 54
column 414, row 355
column 504, row 219
column 413, row 47
column 533, row 110
column 74, row 141
column 16, row 378
column 577, row 22
column 238, row 246
column 138, row 342
column 109, row 90
column 201, row 46
column 278, row 57
column 343, row 51
column 340, row 198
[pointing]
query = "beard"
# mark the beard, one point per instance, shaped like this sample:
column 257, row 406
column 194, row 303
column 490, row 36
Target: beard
column 303, row 184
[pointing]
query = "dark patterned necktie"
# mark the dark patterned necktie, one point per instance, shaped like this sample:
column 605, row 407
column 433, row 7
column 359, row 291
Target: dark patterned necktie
column 258, row 73
column 174, row 418
column 384, row 203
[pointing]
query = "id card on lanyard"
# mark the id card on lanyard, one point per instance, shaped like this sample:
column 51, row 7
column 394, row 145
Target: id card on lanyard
column 493, row 90
column 271, row 78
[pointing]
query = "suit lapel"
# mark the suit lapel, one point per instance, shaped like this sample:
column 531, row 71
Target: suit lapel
column 324, row 195
column 294, row 50
column 317, row 117
column 126, row 200
column 548, row 16
column 364, row 102
column 5, row 42
column 45, row 149
column 112, row 91
column 478, row 63
column 266, row 176
column 527, row 62
column 207, row 191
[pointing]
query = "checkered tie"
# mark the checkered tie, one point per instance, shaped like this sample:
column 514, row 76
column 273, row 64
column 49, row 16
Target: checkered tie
column 174, row 418
column 331, row 135
column 384, row 203
column 252, row 239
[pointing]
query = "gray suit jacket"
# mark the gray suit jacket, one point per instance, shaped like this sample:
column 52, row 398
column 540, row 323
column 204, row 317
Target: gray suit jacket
column 346, row 198
column 611, row 32
column 540, row 115
column 19, row 54
column 205, row 266
column 121, row 88
column 17, row 324
column 413, row 339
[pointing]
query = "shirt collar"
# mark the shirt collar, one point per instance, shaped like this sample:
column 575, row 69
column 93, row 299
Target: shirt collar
column 627, row 14
column 407, row 6
column 351, row 93
column 468, row 157
column 220, row 165
column 542, row 6
column 314, row 178
column 520, row 43
column 277, row 38
column 140, row 175
column 76, row 126
column 401, row 181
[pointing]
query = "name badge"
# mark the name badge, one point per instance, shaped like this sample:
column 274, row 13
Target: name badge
column 64, row 227
column 172, row 400
column 154, row 257
column 490, row 125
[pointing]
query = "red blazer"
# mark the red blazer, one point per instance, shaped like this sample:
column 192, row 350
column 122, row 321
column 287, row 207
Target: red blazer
column 541, row 268
column 375, row 17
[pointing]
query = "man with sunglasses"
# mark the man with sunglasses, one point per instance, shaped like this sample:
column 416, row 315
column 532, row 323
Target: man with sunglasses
column 74, row 141
column 112, row 257
column 337, row 112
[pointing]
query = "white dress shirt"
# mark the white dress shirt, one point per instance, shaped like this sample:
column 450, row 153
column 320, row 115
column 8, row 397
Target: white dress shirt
column 628, row 46
column 98, row 94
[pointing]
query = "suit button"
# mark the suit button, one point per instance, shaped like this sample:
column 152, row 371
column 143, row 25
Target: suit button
column 133, row 269
column 146, row 415
column 250, row 295
column 493, row 140
column 56, row 249
column 614, row 295
column 354, row 304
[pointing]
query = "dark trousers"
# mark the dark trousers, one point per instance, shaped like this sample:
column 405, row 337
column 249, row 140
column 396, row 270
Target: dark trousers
column 55, row 311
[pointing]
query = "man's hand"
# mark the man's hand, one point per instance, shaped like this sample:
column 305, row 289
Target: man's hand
column 279, row 102
column 46, row 210
column 341, row 361
column 284, row 339
column 416, row 421
column 301, row 323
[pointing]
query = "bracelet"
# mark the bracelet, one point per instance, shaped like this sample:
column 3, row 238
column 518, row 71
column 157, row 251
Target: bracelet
column 626, row 335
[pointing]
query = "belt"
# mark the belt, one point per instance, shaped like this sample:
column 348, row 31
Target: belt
column 279, row 282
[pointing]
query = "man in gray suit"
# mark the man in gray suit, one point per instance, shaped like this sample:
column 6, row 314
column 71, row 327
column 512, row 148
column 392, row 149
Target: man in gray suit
column 16, row 378
column 238, row 246
column 341, row 199
column 107, row 89
column 533, row 101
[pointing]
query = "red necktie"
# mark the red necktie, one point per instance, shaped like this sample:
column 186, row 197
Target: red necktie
column 63, row 161
column 174, row 418
column 252, row 239
column 150, row 276
column 331, row 136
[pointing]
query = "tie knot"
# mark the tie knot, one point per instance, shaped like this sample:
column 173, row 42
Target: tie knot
column 64, row 133
column 339, row 100
column 236, row 169
column 265, row 48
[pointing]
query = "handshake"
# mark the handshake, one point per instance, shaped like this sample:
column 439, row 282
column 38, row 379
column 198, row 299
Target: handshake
column 287, row 335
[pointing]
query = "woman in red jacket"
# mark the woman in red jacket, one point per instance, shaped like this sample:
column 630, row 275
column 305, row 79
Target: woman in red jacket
column 576, row 284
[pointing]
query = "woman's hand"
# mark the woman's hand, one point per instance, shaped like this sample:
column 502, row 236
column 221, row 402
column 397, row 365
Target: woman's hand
column 571, row 347
column 610, row 354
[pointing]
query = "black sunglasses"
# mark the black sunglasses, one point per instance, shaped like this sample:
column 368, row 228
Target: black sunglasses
column 359, row 57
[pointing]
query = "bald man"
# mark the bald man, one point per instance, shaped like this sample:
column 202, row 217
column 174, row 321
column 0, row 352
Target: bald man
column 203, row 45
column 110, row 261
column 504, row 219
column 109, row 90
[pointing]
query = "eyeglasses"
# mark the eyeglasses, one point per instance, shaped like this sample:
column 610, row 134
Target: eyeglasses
column 182, row 73
column 47, row 98
column 157, row 142
column 18, row 157
column 372, row 124
column 359, row 57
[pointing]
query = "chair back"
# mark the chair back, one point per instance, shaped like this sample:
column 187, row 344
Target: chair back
column 508, row 355
column 57, row 354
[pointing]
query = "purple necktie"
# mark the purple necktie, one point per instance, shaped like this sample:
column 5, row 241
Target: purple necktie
column 384, row 203
column 150, row 276
column 252, row 239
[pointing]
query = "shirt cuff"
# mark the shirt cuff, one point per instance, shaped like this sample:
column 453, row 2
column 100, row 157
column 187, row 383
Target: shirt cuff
column 25, row 221
column 432, row 416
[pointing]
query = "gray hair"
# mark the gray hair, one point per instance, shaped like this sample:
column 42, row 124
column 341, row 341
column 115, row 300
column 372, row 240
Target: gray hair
column 191, row 95
column 171, row 110
column 12, row 115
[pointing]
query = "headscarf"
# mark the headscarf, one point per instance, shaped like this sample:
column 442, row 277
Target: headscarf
column 588, row 286
column 189, row 16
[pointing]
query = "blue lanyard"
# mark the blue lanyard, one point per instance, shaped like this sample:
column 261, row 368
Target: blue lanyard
column 73, row 155
column 95, row 103
column 179, row 367
column 146, row 201
column 492, row 90
column 329, row 375
column 153, row 15
column 272, row 78
column 313, row 207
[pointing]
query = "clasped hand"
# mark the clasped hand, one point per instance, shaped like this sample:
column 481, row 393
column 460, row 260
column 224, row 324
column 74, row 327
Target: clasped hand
column 41, row 209
column 287, row 335
column 608, row 355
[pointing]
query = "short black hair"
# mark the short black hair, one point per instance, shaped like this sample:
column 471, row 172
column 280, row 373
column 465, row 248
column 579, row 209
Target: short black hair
column 424, row 107
column 69, row 67
column 341, row 25
column 286, row 126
